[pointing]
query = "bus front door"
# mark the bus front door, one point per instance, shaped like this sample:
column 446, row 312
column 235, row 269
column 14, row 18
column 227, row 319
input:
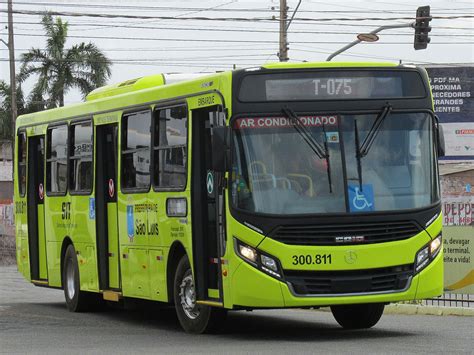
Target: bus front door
column 106, row 207
column 207, row 202
column 35, row 199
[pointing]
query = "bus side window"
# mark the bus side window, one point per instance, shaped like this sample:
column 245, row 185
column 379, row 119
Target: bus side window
column 56, row 160
column 170, row 140
column 22, row 163
column 80, row 160
column 136, row 141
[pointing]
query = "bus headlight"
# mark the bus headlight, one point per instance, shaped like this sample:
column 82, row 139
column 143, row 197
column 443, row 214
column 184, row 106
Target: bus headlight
column 428, row 253
column 434, row 246
column 269, row 262
column 422, row 259
column 264, row 262
column 248, row 253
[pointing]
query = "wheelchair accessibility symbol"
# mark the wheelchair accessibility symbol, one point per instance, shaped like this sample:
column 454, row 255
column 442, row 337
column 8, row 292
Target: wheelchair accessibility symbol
column 361, row 200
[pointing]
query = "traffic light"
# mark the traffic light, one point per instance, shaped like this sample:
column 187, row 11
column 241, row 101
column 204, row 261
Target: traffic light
column 422, row 27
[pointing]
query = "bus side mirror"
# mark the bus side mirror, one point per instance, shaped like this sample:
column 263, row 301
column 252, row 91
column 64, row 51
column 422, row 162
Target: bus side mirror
column 441, row 143
column 221, row 148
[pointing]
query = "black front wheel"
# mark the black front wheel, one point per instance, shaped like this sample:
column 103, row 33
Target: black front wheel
column 358, row 316
column 194, row 318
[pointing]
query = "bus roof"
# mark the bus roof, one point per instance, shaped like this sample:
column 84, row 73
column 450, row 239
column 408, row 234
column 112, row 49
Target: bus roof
column 124, row 94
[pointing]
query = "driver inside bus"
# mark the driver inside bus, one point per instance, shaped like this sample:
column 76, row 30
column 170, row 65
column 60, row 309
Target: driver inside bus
column 306, row 173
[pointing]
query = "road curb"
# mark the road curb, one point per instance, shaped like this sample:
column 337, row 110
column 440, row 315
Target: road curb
column 415, row 309
column 410, row 309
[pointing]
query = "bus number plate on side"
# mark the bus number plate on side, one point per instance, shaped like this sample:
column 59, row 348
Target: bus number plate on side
column 309, row 259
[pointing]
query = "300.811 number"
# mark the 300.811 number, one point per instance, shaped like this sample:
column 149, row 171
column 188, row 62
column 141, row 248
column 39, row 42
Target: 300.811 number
column 312, row 259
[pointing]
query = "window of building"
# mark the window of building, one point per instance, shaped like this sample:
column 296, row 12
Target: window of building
column 81, row 148
column 136, row 141
column 56, row 160
column 170, row 147
column 22, row 163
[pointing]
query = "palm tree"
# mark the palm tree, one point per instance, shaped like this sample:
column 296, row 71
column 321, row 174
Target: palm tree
column 82, row 66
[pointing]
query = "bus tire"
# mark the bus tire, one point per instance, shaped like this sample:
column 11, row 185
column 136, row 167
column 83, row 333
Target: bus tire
column 358, row 316
column 193, row 318
column 76, row 300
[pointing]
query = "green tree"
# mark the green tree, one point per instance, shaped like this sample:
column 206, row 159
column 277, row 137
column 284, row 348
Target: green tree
column 6, row 132
column 83, row 66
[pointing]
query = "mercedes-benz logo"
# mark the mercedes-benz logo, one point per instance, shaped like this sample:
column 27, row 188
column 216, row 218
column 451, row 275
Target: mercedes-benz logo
column 350, row 257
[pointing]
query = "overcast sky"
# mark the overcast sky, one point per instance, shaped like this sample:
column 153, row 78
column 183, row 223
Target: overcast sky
column 153, row 43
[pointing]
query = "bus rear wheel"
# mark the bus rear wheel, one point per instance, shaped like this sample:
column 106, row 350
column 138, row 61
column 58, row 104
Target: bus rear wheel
column 358, row 316
column 194, row 318
column 76, row 300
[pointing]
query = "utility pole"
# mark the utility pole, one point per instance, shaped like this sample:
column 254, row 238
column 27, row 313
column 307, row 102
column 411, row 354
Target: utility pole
column 284, row 25
column 283, row 54
column 11, row 49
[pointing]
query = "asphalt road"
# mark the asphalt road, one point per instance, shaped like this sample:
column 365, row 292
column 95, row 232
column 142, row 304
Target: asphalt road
column 35, row 320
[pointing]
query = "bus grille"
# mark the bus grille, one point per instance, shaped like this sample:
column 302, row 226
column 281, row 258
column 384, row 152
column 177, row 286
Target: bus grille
column 387, row 279
column 374, row 232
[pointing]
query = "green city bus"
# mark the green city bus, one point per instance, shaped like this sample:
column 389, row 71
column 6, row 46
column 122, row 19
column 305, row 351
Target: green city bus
column 282, row 186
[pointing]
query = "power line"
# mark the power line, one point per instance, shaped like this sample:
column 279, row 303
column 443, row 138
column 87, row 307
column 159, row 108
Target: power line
column 216, row 29
column 224, row 19
column 199, row 9
column 362, row 55
column 339, row 25
column 232, row 57
column 245, row 30
column 221, row 40
column 164, row 49
column 210, row 61
column 171, row 61
column 178, row 64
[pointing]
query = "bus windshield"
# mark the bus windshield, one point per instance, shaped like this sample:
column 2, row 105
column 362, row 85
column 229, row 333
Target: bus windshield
column 275, row 171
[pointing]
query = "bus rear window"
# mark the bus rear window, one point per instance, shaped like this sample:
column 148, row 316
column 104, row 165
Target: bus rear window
column 331, row 85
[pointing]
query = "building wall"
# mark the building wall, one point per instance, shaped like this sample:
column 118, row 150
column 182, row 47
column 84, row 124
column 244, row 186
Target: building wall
column 6, row 191
column 457, row 184
column 6, row 181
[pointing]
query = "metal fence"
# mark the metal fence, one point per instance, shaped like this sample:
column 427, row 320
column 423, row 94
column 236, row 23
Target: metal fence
column 451, row 300
column 7, row 250
column 6, row 219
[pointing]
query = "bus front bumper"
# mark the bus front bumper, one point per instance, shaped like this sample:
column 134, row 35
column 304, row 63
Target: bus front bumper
column 251, row 288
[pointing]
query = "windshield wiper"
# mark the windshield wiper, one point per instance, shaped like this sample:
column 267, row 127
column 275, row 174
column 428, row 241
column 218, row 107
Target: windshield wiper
column 374, row 130
column 363, row 150
column 328, row 162
column 321, row 152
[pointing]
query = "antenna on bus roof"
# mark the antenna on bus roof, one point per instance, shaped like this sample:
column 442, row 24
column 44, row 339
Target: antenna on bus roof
column 421, row 26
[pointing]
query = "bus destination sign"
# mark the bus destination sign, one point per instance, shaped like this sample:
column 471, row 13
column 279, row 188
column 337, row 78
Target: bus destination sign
column 337, row 85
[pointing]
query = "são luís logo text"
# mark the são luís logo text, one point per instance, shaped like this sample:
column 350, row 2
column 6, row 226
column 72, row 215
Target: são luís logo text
column 142, row 220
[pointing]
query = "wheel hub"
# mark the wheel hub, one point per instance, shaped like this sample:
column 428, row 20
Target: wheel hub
column 71, row 289
column 188, row 297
